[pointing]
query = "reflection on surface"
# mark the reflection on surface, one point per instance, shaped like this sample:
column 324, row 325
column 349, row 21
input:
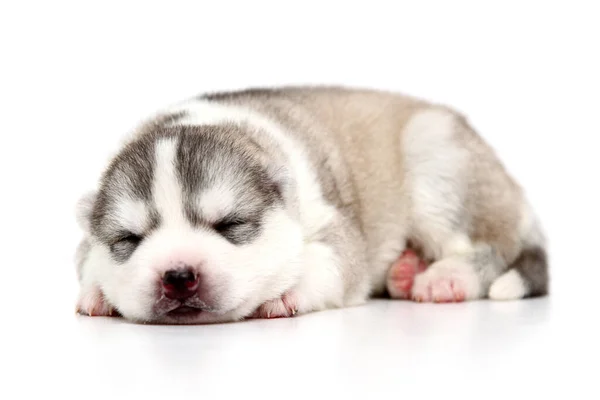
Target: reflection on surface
column 384, row 336
column 384, row 345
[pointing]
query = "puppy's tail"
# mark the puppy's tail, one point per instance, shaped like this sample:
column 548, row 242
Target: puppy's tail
column 528, row 275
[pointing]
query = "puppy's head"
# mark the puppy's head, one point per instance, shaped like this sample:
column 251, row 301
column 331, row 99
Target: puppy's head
column 189, row 225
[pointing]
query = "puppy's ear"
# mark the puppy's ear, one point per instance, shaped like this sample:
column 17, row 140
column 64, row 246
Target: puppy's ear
column 83, row 211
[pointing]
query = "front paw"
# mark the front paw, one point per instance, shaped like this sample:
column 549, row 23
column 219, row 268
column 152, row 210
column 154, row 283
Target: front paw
column 284, row 307
column 92, row 303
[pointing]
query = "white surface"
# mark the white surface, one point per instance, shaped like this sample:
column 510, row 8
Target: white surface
column 496, row 350
column 75, row 77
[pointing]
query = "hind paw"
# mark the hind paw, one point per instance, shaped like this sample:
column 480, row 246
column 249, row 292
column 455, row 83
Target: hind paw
column 401, row 275
column 446, row 282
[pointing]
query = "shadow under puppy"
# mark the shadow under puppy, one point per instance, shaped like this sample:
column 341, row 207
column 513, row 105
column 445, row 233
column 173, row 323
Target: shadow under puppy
column 273, row 202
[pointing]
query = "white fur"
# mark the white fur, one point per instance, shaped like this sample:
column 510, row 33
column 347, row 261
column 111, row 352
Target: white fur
column 458, row 244
column 321, row 285
column 267, row 268
column 166, row 190
column 509, row 286
column 435, row 177
column 530, row 229
column 132, row 215
column 216, row 202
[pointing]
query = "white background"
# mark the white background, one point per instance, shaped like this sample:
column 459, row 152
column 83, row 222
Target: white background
column 76, row 77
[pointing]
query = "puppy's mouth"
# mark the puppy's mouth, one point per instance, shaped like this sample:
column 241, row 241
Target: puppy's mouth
column 181, row 309
column 184, row 311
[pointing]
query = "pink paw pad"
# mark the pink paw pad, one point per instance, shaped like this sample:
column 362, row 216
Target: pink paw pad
column 284, row 307
column 402, row 274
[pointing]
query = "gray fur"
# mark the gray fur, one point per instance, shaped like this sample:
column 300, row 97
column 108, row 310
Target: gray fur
column 488, row 263
column 130, row 174
column 532, row 265
column 205, row 156
column 124, row 248
column 208, row 155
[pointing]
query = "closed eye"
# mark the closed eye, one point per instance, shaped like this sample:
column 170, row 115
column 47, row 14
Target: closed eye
column 227, row 224
column 238, row 230
column 130, row 238
column 124, row 246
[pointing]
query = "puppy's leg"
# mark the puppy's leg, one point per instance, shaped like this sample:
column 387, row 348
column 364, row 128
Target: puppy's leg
column 458, row 191
column 320, row 286
column 282, row 307
column 91, row 302
column 334, row 274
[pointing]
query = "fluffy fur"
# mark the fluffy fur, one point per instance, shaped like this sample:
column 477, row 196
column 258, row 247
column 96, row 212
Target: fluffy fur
column 295, row 200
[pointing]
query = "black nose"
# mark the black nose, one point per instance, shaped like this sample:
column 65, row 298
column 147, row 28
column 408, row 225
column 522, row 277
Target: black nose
column 180, row 283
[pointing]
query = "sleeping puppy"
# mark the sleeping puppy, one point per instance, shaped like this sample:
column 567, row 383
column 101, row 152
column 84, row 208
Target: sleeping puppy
column 272, row 202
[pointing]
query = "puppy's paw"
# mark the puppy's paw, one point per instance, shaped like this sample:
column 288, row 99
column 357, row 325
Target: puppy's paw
column 401, row 275
column 283, row 307
column 92, row 303
column 446, row 281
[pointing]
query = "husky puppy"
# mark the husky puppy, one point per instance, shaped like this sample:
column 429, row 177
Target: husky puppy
column 277, row 201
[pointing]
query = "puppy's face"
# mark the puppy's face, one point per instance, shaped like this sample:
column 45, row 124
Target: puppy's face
column 189, row 225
